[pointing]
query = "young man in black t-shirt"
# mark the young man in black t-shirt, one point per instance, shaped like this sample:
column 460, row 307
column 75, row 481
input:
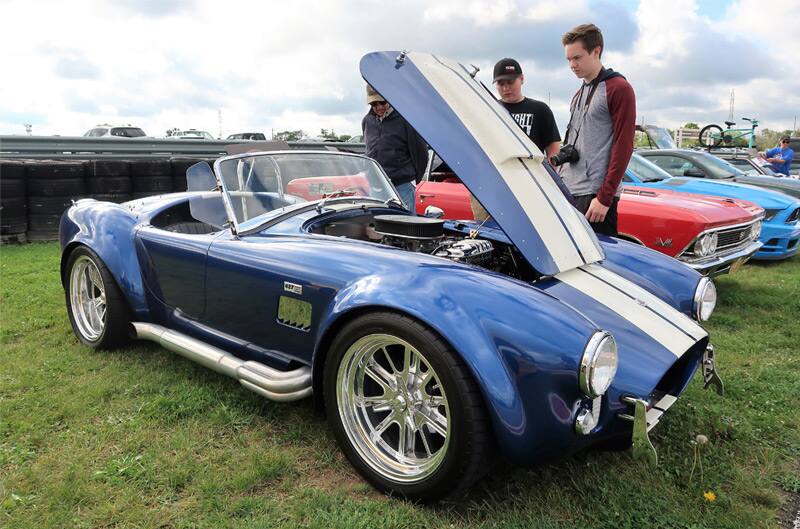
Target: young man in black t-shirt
column 535, row 117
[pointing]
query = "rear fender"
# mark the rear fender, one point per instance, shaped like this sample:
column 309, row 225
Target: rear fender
column 108, row 230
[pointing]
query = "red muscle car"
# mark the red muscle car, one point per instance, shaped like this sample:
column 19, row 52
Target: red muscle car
column 712, row 235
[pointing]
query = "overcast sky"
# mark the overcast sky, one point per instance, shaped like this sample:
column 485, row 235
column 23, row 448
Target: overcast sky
column 158, row 64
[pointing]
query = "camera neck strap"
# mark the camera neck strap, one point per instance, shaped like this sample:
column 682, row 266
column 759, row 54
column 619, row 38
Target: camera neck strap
column 592, row 88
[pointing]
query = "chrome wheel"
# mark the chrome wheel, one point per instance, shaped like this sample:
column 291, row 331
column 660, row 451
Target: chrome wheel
column 393, row 408
column 87, row 298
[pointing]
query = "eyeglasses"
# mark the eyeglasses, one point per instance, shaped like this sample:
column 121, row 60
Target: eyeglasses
column 378, row 104
column 785, row 141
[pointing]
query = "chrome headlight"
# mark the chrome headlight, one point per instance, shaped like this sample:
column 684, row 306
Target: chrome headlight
column 598, row 364
column 755, row 230
column 706, row 245
column 705, row 299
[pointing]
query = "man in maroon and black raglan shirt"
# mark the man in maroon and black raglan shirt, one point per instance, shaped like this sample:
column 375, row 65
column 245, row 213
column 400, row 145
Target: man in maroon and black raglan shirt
column 601, row 127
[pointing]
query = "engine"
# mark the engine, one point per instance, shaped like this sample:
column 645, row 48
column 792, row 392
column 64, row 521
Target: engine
column 472, row 251
column 423, row 234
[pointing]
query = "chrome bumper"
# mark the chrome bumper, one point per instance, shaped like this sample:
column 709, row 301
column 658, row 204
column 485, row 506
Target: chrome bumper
column 722, row 264
column 646, row 416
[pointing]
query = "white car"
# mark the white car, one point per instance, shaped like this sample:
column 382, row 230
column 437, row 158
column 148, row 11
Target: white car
column 115, row 131
column 193, row 134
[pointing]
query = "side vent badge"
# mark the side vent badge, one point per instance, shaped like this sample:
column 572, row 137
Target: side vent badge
column 294, row 288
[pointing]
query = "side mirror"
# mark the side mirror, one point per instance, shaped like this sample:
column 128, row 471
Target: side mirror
column 694, row 172
column 433, row 212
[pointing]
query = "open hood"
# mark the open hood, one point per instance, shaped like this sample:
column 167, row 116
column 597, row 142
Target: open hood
column 488, row 151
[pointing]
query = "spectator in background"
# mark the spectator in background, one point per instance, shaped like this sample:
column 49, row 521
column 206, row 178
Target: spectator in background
column 394, row 144
column 780, row 157
column 601, row 128
column 535, row 117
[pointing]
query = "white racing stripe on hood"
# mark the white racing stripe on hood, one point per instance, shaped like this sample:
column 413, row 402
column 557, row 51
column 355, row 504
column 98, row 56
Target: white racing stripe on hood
column 576, row 224
column 677, row 318
column 517, row 160
column 671, row 328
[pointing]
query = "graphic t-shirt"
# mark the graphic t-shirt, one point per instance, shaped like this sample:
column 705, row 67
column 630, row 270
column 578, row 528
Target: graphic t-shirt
column 536, row 119
column 787, row 155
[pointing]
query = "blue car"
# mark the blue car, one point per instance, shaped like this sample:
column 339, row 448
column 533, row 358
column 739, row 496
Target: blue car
column 780, row 231
column 432, row 346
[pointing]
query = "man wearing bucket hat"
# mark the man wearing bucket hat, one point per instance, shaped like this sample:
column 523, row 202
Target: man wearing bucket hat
column 394, row 144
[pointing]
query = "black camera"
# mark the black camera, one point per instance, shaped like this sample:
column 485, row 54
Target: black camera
column 566, row 154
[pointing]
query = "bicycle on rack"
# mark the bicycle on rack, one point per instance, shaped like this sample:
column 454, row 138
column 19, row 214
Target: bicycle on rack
column 713, row 135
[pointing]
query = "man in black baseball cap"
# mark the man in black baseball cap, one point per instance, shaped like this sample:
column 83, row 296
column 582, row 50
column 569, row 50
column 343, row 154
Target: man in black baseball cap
column 535, row 117
column 507, row 70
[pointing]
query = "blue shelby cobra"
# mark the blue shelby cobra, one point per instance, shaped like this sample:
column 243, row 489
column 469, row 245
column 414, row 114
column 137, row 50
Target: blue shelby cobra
column 780, row 231
column 431, row 345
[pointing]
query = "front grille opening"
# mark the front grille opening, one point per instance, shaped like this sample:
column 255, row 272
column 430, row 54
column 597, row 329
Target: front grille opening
column 678, row 376
column 772, row 242
column 792, row 243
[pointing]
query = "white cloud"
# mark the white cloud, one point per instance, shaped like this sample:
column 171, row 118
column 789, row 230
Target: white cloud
column 289, row 65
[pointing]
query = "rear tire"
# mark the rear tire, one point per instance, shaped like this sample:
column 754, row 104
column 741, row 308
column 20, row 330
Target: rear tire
column 97, row 309
column 710, row 136
column 404, row 408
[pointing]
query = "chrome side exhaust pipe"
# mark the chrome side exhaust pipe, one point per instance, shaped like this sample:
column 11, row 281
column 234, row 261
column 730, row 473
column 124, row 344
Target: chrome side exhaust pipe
column 271, row 383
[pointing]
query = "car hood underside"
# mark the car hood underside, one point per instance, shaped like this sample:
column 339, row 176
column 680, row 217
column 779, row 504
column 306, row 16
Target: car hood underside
column 488, row 151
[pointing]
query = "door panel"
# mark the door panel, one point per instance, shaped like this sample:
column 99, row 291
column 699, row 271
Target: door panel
column 251, row 280
column 174, row 267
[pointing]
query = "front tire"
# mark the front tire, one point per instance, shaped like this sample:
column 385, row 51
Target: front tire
column 97, row 310
column 710, row 136
column 404, row 408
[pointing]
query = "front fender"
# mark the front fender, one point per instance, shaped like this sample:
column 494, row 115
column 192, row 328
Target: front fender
column 522, row 345
column 108, row 229
column 661, row 275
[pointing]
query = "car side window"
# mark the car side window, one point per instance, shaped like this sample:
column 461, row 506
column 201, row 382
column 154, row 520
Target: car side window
column 671, row 164
column 691, row 169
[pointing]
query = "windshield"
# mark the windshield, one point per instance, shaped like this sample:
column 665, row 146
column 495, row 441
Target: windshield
column 260, row 183
column 717, row 167
column 766, row 168
column 646, row 170
column 659, row 136
column 127, row 132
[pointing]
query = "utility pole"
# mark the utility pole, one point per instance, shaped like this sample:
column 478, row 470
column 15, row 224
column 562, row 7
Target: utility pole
column 219, row 121
column 730, row 109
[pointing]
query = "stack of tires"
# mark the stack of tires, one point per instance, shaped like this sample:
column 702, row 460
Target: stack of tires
column 151, row 177
column 13, row 206
column 179, row 168
column 109, row 180
column 51, row 188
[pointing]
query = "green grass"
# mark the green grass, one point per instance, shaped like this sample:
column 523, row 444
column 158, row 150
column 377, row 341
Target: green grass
column 143, row 438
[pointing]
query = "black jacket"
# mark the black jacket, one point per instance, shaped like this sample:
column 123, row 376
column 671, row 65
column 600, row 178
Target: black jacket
column 394, row 144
